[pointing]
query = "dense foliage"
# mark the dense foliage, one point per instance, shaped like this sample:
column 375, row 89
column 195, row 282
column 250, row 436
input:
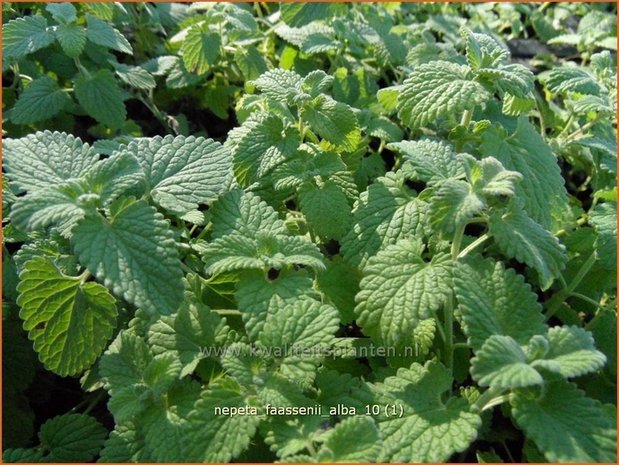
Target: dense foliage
column 402, row 213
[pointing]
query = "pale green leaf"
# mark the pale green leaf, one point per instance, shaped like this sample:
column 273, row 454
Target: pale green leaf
column 431, row 160
column 519, row 237
column 438, row 89
column 326, row 208
column 242, row 363
column 72, row 39
column 244, row 213
column 64, row 205
column 135, row 76
column 542, row 186
column 516, row 106
column 101, row 97
column 41, row 100
column 69, row 321
column 289, row 436
column 262, row 251
column 317, row 82
column 72, row 438
column 182, row 172
column 178, row 76
column 399, row 289
column 251, row 62
column 483, row 50
column 305, row 323
column 48, row 207
column 453, row 203
column 122, row 367
column 495, row 300
column 187, row 333
column 384, row 128
column 101, row 10
column 333, row 121
column 260, row 298
column 604, row 219
column 279, row 84
column 430, row 430
column 259, row 145
column 388, row 97
column 590, row 103
column 309, row 162
column 488, row 177
column 303, row 330
column 355, row 439
column 571, row 352
column 313, row 34
column 45, row 159
column 200, row 48
column 122, row 446
column 23, row 36
column 134, row 253
column 281, row 390
column 566, row 425
column 62, row 12
column 514, row 79
column 165, row 425
column 340, row 283
column 604, row 329
column 335, row 389
column 219, row 438
column 159, row 377
column 114, row 176
column 501, row 363
column 386, row 212
column 136, row 380
column 101, row 33
column 300, row 14
column 571, row 79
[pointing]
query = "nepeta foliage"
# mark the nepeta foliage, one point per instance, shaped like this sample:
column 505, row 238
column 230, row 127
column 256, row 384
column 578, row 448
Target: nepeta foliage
column 335, row 179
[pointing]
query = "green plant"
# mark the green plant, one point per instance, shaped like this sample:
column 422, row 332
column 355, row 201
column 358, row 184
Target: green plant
column 403, row 251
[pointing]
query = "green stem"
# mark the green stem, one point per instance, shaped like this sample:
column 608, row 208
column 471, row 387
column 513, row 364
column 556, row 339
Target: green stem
column 457, row 241
column 580, row 130
column 258, row 9
column 206, row 229
column 301, row 128
column 461, row 345
column 187, row 269
column 580, row 222
column 81, row 68
column 487, row 397
column 157, row 113
column 16, row 76
column 441, row 332
column 310, row 135
column 382, row 145
column 95, row 400
column 569, row 122
column 542, row 122
column 466, row 118
column 84, row 276
column 495, row 401
column 559, row 297
column 473, row 245
column 227, row 312
column 585, row 298
column 311, row 449
column 448, row 310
